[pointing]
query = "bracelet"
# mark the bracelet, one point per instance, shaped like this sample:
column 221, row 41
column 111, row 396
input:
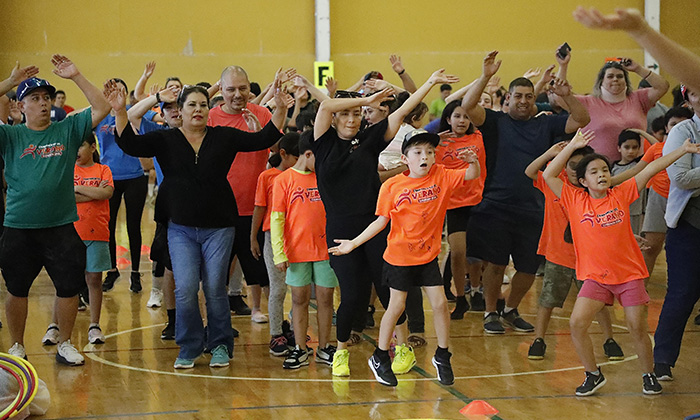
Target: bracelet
column 158, row 97
column 650, row 72
column 402, row 72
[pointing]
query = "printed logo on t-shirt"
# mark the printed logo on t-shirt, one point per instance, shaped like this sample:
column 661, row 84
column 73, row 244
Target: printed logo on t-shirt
column 419, row 195
column 453, row 154
column 90, row 182
column 607, row 219
column 107, row 129
column 45, row 151
column 302, row 194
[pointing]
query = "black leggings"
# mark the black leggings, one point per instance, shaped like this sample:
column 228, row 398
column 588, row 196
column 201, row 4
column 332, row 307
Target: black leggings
column 357, row 271
column 134, row 191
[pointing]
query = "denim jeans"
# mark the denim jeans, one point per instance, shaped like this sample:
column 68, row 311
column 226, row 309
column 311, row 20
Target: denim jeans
column 201, row 255
column 682, row 245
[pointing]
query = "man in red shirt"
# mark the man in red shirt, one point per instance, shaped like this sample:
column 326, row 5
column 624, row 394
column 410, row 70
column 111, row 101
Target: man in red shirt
column 235, row 111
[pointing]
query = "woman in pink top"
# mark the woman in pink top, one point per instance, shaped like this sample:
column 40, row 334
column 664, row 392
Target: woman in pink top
column 613, row 105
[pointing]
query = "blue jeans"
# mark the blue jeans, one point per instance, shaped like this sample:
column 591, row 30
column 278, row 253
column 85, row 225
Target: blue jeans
column 201, row 255
column 682, row 245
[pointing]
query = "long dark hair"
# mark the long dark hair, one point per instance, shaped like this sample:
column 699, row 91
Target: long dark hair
column 601, row 75
column 187, row 90
column 90, row 139
column 583, row 165
column 447, row 113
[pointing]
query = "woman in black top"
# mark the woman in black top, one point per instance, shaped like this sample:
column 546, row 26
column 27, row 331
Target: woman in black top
column 346, row 169
column 196, row 201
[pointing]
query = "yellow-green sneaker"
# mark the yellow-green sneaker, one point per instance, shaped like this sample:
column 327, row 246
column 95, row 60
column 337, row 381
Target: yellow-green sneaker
column 404, row 359
column 341, row 363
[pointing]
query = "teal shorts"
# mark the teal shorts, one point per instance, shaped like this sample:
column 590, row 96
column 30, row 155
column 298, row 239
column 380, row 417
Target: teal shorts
column 317, row 272
column 98, row 259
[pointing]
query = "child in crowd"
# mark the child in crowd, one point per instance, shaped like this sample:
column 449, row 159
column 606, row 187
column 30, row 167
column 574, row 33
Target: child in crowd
column 287, row 156
column 629, row 144
column 560, row 259
column 298, row 238
column 463, row 137
column 93, row 188
column 608, row 258
column 416, row 205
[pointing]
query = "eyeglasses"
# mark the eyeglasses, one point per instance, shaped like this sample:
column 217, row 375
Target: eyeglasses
column 347, row 94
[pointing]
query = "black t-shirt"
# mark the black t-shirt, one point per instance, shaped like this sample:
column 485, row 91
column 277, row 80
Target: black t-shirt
column 511, row 145
column 346, row 171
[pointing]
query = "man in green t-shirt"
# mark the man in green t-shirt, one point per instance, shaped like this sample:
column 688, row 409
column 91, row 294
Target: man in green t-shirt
column 39, row 160
column 436, row 107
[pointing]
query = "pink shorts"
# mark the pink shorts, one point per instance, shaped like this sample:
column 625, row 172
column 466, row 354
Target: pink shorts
column 631, row 293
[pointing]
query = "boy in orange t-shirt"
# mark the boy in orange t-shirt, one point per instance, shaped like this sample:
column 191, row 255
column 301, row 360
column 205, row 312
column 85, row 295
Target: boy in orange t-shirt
column 608, row 258
column 288, row 155
column 298, row 238
column 416, row 205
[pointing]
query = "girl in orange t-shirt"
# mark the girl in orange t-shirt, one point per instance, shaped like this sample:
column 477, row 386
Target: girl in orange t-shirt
column 93, row 188
column 608, row 258
column 464, row 137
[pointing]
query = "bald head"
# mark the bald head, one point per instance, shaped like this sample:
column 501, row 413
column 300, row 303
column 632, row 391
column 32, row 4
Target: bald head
column 235, row 88
column 236, row 70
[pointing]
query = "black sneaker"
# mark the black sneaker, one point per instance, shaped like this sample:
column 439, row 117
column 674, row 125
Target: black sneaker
column 537, row 349
column 513, row 320
column 279, row 346
column 238, row 305
column 135, row 282
column 325, row 355
column 444, row 369
column 477, row 301
column 663, row 372
column 296, row 359
column 500, row 305
column 591, row 384
column 492, row 324
column 110, row 279
column 613, row 350
column 382, row 371
column 651, row 384
column 461, row 308
column 369, row 323
column 168, row 332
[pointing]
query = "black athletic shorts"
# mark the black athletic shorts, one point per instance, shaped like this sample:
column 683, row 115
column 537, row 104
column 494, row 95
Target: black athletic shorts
column 404, row 277
column 23, row 252
column 458, row 219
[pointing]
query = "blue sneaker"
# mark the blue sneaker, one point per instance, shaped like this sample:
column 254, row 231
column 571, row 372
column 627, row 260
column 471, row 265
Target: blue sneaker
column 182, row 363
column 219, row 356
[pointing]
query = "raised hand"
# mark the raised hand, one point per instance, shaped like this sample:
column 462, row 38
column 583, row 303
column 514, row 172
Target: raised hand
column 556, row 148
column 439, row 76
column 623, row 19
column 170, row 94
column 491, row 65
column 560, row 87
column 251, row 120
column 376, row 84
column 533, row 73
column 18, row 74
column 396, row 63
column 493, row 85
column 562, row 61
column 630, row 65
column 690, row 147
column 148, row 70
column 548, row 75
column 582, row 138
column 345, row 247
column 331, row 86
column 115, row 95
column 154, row 89
column 379, row 97
column 446, row 137
column 64, row 68
column 285, row 75
column 468, row 156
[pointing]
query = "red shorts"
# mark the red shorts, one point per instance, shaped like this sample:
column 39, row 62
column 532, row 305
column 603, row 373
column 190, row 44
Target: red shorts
column 631, row 293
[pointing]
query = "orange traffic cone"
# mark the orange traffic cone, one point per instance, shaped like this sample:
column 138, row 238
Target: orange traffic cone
column 478, row 409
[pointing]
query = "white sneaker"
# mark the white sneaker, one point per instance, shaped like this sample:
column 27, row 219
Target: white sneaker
column 17, row 350
column 156, row 299
column 69, row 355
column 258, row 317
column 95, row 335
column 51, row 336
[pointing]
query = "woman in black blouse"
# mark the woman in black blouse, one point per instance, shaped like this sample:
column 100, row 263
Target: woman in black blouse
column 197, row 203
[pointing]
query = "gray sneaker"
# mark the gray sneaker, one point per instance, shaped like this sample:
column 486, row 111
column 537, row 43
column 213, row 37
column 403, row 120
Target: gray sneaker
column 513, row 320
column 492, row 324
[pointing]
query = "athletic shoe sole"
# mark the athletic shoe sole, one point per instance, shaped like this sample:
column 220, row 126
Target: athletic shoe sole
column 592, row 391
column 437, row 369
column 376, row 375
column 651, row 392
column 63, row 360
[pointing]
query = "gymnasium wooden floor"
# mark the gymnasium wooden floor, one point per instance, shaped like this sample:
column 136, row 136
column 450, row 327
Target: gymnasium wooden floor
column 131, row 375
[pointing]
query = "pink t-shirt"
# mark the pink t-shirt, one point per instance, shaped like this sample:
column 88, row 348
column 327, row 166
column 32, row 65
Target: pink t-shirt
column 608, row 120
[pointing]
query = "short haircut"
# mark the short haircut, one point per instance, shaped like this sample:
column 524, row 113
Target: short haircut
column 60, row 91
column 584, row 151
column 583, row 164
column 678, row 112
column 215, row 101
column 305, row 141
column 290, row 143
column 234, row 69
column 170, row 79
column 628, row 135
column 255, row 88
column 305, row 119
column 658, row 124
column 123, row 83
column 444, row 87
column 205, row 85
column 520, row 81
column 187, row 91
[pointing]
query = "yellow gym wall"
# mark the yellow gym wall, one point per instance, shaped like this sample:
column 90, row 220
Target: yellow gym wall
column 195, row 40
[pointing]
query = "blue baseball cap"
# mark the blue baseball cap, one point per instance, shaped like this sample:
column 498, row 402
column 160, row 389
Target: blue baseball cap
column 27, row 86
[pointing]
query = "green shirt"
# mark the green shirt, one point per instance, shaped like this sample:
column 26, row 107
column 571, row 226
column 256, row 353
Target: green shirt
column 39, row 171
column 436, row 107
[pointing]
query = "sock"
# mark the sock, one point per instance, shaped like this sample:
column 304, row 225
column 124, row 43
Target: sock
column 171, row 316
column 486, row 314
column 507, row 309
column 158, row 283
column 596, row 372
column 382, row 355
column 442, row 353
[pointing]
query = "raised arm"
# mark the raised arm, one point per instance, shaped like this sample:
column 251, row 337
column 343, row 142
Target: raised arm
column 140, row 88
column 459, row 93
column 659, row 85
column 346, row 246
column 396, row 118
column 136, row 112
column 578, row 115
column 65, row 69
column 664, row 162
column 470, row 103
column 324, row 116
column 406, row 79
column 313, row 90
column 672, row 57
column 552, row 171
column 474, row 169
column 16, row 76
column 543, row 83
column 534, row 167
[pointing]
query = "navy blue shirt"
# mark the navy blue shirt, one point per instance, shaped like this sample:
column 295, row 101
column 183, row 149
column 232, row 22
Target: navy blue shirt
column 511, row 145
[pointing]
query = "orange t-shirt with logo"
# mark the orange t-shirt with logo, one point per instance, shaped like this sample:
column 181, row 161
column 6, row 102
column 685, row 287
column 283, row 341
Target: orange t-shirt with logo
column 469, row 194
column 417, row 207
column 296, row 195
column 606, row 250
column 93, row 223
column 552, row 244
column 263, row 194
column 659, row 182
column 247, row 166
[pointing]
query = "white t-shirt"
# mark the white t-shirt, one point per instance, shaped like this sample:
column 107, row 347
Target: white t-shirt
column 390, row 157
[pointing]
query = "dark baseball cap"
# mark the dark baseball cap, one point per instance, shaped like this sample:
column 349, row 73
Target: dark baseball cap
column 419, row 135
column 27, row 86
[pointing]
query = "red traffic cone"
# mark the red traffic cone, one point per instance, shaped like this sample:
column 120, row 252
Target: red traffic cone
column 478, row 408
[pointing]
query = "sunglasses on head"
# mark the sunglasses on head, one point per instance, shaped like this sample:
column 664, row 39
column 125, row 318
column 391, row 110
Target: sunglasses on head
column 347, row 94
